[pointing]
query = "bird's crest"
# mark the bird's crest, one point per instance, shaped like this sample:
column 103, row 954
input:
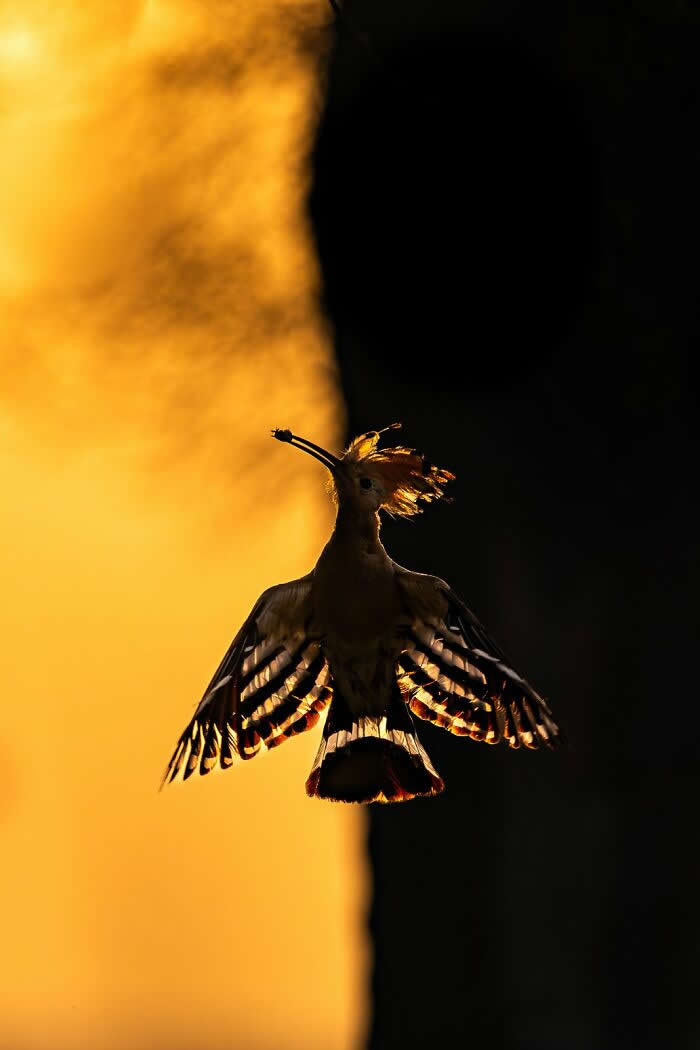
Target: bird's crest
column 407, row 477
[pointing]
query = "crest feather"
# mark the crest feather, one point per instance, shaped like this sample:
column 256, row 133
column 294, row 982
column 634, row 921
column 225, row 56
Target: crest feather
column 407, row 477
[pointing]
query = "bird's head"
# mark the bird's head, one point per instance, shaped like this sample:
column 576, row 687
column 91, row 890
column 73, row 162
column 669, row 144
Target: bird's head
column 367, row 479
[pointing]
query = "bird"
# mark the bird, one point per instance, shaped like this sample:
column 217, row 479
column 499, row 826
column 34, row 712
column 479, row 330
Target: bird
column 370, row 642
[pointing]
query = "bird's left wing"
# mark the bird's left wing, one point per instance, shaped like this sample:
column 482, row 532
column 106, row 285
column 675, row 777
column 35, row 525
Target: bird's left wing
column 273, row 683
column 453, row 673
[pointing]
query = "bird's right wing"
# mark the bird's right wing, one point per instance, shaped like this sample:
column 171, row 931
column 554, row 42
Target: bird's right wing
column 453, row 673
column 272, row 683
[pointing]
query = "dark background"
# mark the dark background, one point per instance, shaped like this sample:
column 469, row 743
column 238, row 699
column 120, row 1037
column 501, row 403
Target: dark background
column 503, row 202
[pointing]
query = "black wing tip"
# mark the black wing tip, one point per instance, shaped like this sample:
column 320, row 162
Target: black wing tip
column 165, row 779
column 174, row 766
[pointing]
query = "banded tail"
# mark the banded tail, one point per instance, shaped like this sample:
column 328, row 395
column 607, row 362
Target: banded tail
column 371, row 758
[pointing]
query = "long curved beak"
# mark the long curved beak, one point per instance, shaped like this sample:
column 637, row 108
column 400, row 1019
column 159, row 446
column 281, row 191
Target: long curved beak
column 327, row 458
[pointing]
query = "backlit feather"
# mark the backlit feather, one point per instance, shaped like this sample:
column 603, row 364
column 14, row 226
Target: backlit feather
column 406, row 476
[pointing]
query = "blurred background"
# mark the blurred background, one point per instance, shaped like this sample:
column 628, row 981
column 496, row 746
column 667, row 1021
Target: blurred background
column 219, row 218
column 159, row 315
column 502, row 200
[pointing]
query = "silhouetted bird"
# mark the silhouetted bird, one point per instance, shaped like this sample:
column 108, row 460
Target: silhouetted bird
column 372, row 640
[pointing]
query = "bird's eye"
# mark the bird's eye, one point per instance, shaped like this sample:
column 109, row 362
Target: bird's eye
column 366, row 483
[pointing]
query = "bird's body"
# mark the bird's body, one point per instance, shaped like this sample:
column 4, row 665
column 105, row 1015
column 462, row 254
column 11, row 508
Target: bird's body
column 362, row 632
column 371, row 639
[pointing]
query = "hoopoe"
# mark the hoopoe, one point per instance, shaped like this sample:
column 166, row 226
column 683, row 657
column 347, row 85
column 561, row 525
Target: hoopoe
column 371, row 641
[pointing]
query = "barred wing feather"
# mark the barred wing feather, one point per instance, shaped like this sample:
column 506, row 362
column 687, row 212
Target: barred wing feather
column 452, row 673
column 272, row 684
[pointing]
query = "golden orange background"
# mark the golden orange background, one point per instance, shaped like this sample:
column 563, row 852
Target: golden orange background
column 158, row 315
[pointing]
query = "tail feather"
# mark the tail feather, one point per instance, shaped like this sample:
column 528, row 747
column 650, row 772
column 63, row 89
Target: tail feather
column 371, row 758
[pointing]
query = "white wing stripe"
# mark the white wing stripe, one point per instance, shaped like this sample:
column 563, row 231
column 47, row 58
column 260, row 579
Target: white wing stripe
column 437, row 675
column 258, row 655
column 277, row 699
column 431, row 640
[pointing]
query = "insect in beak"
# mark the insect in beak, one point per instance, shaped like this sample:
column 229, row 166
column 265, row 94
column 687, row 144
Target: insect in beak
column 327, row 458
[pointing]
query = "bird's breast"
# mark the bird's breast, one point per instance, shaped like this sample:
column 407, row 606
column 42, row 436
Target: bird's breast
column 358, row 613
column 356, row 596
